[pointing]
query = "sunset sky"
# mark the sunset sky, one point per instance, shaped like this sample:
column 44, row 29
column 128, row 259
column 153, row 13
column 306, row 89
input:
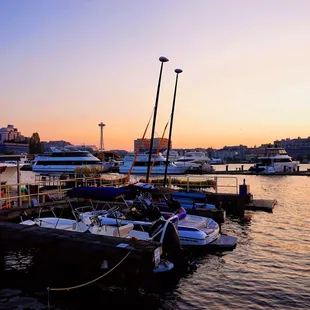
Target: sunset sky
column 67, row 65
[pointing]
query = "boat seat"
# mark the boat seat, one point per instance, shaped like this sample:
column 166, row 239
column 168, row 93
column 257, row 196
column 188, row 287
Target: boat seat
column 123, row 231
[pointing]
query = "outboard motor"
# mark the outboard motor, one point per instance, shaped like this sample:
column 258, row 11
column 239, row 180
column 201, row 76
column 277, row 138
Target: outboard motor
column 172, row 249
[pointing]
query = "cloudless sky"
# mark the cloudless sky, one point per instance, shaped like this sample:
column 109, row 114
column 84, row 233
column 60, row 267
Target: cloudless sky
column 67, row 65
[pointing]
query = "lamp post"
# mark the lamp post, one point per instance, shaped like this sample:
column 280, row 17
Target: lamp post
column 162, row 59
column 177, row 71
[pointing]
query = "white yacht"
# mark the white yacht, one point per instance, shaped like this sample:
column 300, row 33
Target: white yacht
column 7, row 171
column 66, row 160
column 141, row 163
column 173, row 155
column 217, row 161
column 195, row 160
column 275, row 159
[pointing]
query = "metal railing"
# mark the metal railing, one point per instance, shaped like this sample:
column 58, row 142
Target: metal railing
column 190, row 182
column 22, row 194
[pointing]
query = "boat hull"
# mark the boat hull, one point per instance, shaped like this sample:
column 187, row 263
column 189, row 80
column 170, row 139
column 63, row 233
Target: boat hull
column 64, row 168
column 7, row 172
column 160, row 170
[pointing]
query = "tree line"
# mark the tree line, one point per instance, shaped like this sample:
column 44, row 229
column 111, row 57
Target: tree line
column 35, row 144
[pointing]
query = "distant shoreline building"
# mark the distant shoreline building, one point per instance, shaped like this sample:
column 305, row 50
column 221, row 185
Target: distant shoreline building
column 11, row 134
column 12, row 141
column 160, row 143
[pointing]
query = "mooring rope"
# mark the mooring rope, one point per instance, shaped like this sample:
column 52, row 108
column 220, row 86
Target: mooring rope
column 84, row 284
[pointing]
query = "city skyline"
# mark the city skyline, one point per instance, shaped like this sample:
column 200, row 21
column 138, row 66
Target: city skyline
column 145, row 145
column 67, row 65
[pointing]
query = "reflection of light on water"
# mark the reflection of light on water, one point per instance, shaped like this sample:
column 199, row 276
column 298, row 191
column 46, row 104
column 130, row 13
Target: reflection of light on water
column 16, row 260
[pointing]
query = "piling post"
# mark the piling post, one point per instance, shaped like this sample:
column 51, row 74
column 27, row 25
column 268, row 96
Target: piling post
column 226, row 167
column 187, row 184
column 240, row 206
column 18, row 185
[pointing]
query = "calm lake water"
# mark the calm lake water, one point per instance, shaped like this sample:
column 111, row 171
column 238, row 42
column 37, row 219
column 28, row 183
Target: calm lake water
column 270, row 268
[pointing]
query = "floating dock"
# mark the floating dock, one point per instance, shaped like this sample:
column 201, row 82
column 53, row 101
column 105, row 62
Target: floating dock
column 266, row 205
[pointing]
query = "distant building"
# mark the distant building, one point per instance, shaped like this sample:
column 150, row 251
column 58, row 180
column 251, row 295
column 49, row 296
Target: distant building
column 157, row 142
column 57, row 143
column 298, row 148
column 11, row 134
column 12, row 141
column 92, row 148
column 233, row 153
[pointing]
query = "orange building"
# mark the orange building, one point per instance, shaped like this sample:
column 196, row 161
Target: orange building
column 145, row 146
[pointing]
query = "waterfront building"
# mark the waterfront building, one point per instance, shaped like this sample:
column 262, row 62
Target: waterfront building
column 157, row 142
column 57, row 144
column 12, row 141
column 92, row 148
column 11, row 134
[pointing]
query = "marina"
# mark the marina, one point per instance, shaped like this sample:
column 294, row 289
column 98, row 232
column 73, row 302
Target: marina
column 113, row 196
column 255, row 230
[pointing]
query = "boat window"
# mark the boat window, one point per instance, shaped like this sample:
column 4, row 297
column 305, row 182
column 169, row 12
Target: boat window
column 283, row 160
column 65, row 162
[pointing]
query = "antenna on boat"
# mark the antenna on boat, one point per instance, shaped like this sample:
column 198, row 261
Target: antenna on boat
column 162, row 60
column 177, row 71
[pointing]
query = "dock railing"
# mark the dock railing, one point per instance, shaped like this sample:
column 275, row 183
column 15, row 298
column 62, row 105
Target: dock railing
column 48, row 189
column 189, row 182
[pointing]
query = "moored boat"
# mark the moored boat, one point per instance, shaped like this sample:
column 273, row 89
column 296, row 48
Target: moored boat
column 7, row 171
column 67, row 160
column 139, row 164
column 275, row 159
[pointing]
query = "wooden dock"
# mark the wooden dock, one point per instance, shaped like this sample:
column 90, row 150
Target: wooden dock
column 60, row 250
column 266, row 205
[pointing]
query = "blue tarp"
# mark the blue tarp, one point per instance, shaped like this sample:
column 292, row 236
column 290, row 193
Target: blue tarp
column 97, row 193
column 190, row 195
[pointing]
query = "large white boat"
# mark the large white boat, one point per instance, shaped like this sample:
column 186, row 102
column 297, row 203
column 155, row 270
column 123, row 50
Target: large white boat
column 141, row 164
column 173, row 155
column 275, row 159
column 7, row 171
column 195, row 160
column 67, row 160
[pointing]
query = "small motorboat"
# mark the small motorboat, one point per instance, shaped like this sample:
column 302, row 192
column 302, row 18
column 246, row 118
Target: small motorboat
column 148, row 225
column 146, row 216
column 90, row 224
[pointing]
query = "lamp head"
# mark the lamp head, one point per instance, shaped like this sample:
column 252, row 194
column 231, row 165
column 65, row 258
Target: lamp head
column 178, row 71
column 163, row 59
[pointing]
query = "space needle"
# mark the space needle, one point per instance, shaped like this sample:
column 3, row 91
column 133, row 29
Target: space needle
column 101, row 125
